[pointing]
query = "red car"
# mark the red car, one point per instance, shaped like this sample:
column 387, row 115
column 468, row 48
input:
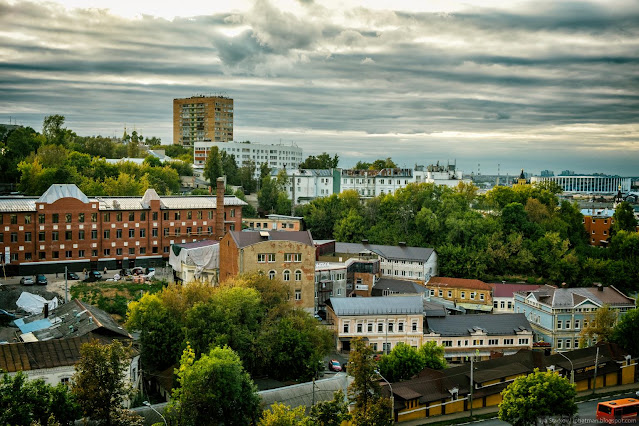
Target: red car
column 334, row 365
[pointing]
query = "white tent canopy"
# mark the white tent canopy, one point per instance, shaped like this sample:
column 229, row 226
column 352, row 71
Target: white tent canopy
column 204, row 255
column 34, row 304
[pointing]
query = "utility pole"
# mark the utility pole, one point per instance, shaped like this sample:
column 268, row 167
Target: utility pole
column 471, row 385
column 66, row 286
column 594, row 385
column 313, row 400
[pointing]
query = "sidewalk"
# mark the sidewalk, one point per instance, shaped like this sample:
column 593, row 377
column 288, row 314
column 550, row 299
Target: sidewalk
column 464, row 416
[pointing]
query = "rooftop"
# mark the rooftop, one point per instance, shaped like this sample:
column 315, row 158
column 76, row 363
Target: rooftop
column 445, row 282
column 388, row 305
column 248, row 238
column 507, row 290
column 493, row 325
column 393, row 286
column 571, row 297
column 420, row 254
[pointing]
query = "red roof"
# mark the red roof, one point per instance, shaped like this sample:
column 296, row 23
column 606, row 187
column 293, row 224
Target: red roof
column 458, row 283
column 507, row 290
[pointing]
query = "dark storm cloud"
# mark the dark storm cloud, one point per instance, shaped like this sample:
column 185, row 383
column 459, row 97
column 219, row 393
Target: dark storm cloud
column 482, row 85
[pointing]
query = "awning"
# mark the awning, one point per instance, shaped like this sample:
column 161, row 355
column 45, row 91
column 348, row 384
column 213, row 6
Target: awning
column 475, row 307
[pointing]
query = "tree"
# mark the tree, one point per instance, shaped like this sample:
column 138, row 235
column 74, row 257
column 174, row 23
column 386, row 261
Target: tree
column 378, row 414
column 365, row 388
column 402, row 363
column 214, row 389
column 279, row 414
column 433, row 355
column 599, row 327
column 99, row 380
column 331, row 413
column 213, row 168
column 380, row 164
column 267, row 196
column 52, row 129
column 362, row 165
column 540, row 394
column 626, row 332
column 24, row 401
column 624, row 219
column 322, row 161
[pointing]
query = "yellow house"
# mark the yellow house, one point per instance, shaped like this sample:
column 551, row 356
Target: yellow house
column 470, row 294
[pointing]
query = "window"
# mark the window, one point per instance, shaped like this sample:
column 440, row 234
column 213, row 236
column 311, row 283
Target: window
column 481, row 296
column 493, row 342
column 41, row 218
column 199, row 214
column 55, row 218
column 380, row 327
column 131, row 216
column 271, row 257
column 14, row 219
column 131, row 250
column 567, row 343
column 142, row 216
column 41, row 236
column 118, row 252
column 68, row 253
column 80, row 235
column 80, row 217
column 178, row 231
column 67, row 218
column 450, row 293
column 390, row 327
column 360, row 328
column 298, row 275
column 261, row 258
column 210, row 214
column 441, row 293
column 154, row 232
column 463, row 294
column 155, row 216
column 106, row 217
column 107, row 234
column 28, row 256
column 27, row 237
column 42, row 255
column 567, row 324
column 188, row 231
column 414, row 326
column 55, row 236
column 447, row 343
column 472, row 295
column 287, row 275
column 142, row 250
column 165, row 215
column 94, row 253
column 68, row 235
column 559, row 323
column 155, row 250
column 577, row 324
column 27, row 219
column 55, row 255
column 177, row 215
column 165, row 249
column 80, row 253
column 271, row 274
column 189, row 215
column 502, row 305
column 118, row 217
column 94, row 235
column 131, row 233
column 478, row 342
column 369, row 327
column 94, row 218
column 107, row 252
column 118, row 233
column 400, row 327
column 560, row 344
column 142, row 233
column 508, row 341
column 345, row 327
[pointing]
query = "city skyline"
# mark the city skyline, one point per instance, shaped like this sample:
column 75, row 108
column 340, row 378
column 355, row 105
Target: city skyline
column 543, row 85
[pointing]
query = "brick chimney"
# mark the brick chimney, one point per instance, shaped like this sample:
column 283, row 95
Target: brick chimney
column 219, row 209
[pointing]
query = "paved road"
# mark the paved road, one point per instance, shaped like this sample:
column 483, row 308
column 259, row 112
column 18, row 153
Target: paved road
column 585, row 411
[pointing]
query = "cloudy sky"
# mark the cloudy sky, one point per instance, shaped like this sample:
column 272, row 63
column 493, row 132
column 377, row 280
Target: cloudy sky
column 539, row 85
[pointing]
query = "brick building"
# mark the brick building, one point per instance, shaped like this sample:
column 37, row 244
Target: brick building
column 473, row 295
column 64, row 227
column 286, row 255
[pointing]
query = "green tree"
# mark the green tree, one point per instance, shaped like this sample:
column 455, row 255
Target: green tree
column 362, row 165
column 380, row 164
column 52, row 129
column 364, row 391
column 267, row 196
column 331, row 413
column 24, row 401
column 246, row 175
column 433, row 355
column 626, row 332
column 624, row 219
column 600, row 326
column 213, row 390
column 378, row 414
column 230, row 169
column 322, row 161
column 213, row 168
column 351, row 228
column 279, row 414
column 402, row 363
column 99, row 380
column 531, row 398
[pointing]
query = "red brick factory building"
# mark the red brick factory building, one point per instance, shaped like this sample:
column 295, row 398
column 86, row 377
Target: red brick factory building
column 64, row 227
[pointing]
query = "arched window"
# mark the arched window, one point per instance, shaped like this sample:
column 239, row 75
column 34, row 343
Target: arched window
column 271, row 274
column 287, row 275
column 298, row 275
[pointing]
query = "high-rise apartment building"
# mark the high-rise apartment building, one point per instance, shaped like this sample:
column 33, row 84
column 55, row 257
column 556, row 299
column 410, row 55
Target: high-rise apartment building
column 202, row 119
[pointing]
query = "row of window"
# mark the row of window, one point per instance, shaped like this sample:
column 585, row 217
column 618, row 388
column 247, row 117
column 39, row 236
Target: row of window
column 462, row 294
column 502, row 305
column 400, row 273
column 381, row 181
column 286, row 275
column 480, row 342
column 338, row 276
column 567, row 323
column 69, row 254
column 390, row 327
column 567, row 343
column 270, row 257
column 106, row 216
column 402, row 262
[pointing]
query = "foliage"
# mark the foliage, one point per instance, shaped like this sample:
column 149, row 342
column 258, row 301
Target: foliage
column 540, row 394
column 364, row 391
column 378, row 164
column 272, row 196
column 433, row 355
column 331, row 413
column 626, row 332
column 279, row 414
column 600, row 326
column 624, row 219
column 214, row 389
column 404, row 361
column 23, row 401
column 322, row 161
column 378, row 414
column 248, row 210
column 99, row 380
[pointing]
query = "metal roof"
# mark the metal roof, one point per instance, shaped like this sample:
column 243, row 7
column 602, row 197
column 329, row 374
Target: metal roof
column 397, row 287
column 17, row 204
column 493, row 325
column 390, row 305
column 421, row 254
column 58, row 191
column 248, row 238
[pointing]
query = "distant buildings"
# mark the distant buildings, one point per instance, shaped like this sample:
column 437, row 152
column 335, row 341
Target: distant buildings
column 504, row 296
column 202, row 119
column 473, row 295
column 587, row 184
column 305, row 185
column 246, row 153
column 597, row 223
column 275, row 222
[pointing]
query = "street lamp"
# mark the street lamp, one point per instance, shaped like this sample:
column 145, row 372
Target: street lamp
column 392, row 397
column 572, row 369
column 148, row 404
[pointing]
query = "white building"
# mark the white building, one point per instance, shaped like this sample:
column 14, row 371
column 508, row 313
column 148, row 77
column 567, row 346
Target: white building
column 440, row 175
column 371, row 183
column 276, row 156
column 305, row 185
column 588, row 184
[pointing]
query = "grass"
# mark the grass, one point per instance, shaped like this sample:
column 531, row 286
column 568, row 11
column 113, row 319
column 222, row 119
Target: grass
column 113, row 296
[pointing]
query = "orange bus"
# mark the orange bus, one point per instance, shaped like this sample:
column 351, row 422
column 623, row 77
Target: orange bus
column 618, row 411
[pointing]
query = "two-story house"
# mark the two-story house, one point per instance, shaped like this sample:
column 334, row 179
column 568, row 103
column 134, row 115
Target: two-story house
column 504, row 295
column 382, row 321
column 479, row 336
column 472, row 295
column 558, row 315
column 286, row 255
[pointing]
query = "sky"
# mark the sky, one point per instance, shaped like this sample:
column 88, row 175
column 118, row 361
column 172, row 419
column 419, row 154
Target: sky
column 486, row 84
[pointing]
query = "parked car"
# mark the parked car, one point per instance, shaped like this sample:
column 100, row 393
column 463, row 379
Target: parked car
column 124, row 272
column 41, row 280
column 27, row 281
column 334, row 365
column 72, row 276
column 94, row 276
column 138, row 270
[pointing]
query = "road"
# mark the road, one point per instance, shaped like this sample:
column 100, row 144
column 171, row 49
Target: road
column 585, row 411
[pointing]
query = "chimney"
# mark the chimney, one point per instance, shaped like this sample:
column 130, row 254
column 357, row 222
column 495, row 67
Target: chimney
column 46, row 310
column 364, row 241
column 402, row 243
column 219, row 209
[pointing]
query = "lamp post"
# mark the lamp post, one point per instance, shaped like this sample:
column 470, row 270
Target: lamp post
column 572, row 369
column 148, row 404
column 392, row 397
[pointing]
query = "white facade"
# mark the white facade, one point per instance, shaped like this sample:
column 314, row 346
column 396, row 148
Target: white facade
column 409, row 269
column 306, row 185
column 439, row 175
column 371, row 183
column 588, row 184
column 481, row 344
column 276, row 156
